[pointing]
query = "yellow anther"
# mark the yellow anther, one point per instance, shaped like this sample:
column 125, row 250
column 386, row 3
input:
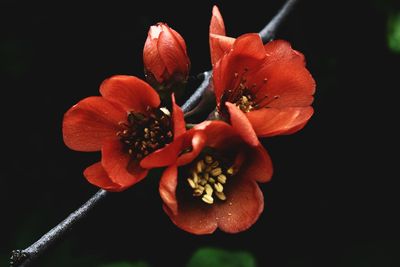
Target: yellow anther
column 202, row 182
column 211, row 180
column 216, row 172
column 220, row 195
column 198, row 191
column 208, row 199
column 218, row 187
column 191, row 183
column 208, row 159
column 206, row 176
column 208, row 189
column 215, row 164
column 230, row 171
column 221, row 178
column 200, row 166
column 195, row 177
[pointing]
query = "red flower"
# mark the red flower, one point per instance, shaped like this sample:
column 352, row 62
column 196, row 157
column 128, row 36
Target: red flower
column 126, row 124
column 164, row 55
column 270, row 83
column 213, row 182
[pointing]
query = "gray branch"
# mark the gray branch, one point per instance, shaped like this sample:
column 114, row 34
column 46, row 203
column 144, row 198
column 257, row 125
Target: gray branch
column 268, row 33
column 24, row 257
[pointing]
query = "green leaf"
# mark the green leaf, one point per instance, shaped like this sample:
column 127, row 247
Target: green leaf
column 213, row 257
column 393, row 34
column 126, row 264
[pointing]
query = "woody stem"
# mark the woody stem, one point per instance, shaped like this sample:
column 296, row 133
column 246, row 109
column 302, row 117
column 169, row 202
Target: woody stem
column 25, row 257
column 268, row 32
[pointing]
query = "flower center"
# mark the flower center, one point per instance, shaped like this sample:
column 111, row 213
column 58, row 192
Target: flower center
column 145, row 133
column 208, row 177
column 246, row 103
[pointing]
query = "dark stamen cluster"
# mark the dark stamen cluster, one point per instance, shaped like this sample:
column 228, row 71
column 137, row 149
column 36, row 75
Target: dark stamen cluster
column 145, row 133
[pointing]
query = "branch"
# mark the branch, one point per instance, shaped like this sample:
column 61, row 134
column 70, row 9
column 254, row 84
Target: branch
column 23, row 258
column 195, row 97
column 268, row 32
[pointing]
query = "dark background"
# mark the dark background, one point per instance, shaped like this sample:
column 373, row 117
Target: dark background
column 334, row 197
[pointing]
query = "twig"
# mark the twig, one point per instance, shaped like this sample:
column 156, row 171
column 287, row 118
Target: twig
column 22, row 258
column 268, row 32
column 195, row 97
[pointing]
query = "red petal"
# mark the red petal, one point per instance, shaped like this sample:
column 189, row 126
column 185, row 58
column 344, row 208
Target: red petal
column 195, row 140
column 177, row 119
column 219, row 134
column 151, row 58
column 96, row 175
column 243, row 206
column 260, row 167
column 130, row 92
column 195, row 217
column 167, row 188
column 286, row 76
column 219, row 46
column 272, row 121
column 119, row 164
column 88, row 123
column 281, row 50
column 164, row 156
column 219, row 43
column 217, row 23
column 242, row 125
column 172, row 50
column 247, row 54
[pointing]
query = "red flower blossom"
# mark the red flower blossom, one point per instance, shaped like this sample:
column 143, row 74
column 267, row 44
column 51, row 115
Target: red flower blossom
column 270, row 83
column 213, row 182
column 164, row 56
column 127, row 124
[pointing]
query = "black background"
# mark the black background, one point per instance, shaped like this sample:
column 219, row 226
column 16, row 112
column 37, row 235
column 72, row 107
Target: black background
column 334, row 197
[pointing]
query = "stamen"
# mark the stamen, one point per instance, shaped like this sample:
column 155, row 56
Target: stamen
column 208, row 177
column 145, row 133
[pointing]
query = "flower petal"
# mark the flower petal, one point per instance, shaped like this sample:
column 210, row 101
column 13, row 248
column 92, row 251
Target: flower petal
column 260, row 167
column 219, row 46
column 272, row 121
column 178, row 120
column 281, row 50
column 96, row 175
column 195, row 140
column 219, row 134
column 193, row 216
column 164, row 156
column 130, row 92
column 151, row 57
column 242, row 125
column 217, row 25
column 167, row 188
column 247, row 54
column 288, row 82
column 88, row 123
column 172, row 50
column 243, row 206
column 219, row 43
column 119, row 164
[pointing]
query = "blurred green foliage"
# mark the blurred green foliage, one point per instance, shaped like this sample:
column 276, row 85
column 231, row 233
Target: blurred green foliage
column 213, row 257
column 393, row 32
column 126, row 264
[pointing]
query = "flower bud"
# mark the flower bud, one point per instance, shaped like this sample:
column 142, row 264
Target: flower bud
column 165, row 59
